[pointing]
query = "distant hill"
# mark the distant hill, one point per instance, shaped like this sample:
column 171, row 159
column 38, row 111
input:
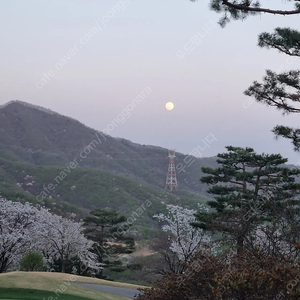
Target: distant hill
column 90, row 170
column 39, row 136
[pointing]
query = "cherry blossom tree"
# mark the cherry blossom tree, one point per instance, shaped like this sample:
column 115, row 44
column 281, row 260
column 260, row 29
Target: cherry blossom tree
column 25, row 228
column 272, row 240
column 185, row 239
column 63, row 239
column 17, row 227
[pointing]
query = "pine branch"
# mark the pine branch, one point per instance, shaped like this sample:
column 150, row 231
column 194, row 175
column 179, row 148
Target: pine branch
column 244, row 7
column 285, row 40
column 289, row 133
column 279, row 90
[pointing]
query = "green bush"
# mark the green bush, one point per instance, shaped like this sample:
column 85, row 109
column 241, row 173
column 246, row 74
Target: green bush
column 32, row 261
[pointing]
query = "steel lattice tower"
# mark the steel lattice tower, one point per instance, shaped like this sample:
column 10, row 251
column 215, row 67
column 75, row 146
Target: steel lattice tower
column 171, row 181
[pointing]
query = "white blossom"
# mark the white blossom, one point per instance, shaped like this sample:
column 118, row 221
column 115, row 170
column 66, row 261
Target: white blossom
column 17, row 227
column 62, row 238
column 271, row 241
column 185, row 239
column 24, row 228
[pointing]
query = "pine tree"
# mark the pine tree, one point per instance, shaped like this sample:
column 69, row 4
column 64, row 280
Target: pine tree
column 109, row 231
column 250, row 189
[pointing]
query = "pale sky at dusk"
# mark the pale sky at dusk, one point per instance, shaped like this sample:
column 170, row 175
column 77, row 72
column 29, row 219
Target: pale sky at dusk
column 101, row 71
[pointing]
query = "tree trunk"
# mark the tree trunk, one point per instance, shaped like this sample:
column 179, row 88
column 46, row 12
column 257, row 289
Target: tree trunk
column 63, row 265
column 240, row 244
column 100, row 274
column 3, row 265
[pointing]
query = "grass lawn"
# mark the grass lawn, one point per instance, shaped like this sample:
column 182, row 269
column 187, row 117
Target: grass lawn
column 27, row 294
column 42, row 279
column 53, row 286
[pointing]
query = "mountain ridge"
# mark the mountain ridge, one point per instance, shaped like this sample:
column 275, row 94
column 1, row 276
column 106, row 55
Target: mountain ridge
column 32, row 136
column 48, row 110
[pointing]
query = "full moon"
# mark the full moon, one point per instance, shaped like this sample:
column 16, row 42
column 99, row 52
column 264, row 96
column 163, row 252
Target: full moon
column 169, row 106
